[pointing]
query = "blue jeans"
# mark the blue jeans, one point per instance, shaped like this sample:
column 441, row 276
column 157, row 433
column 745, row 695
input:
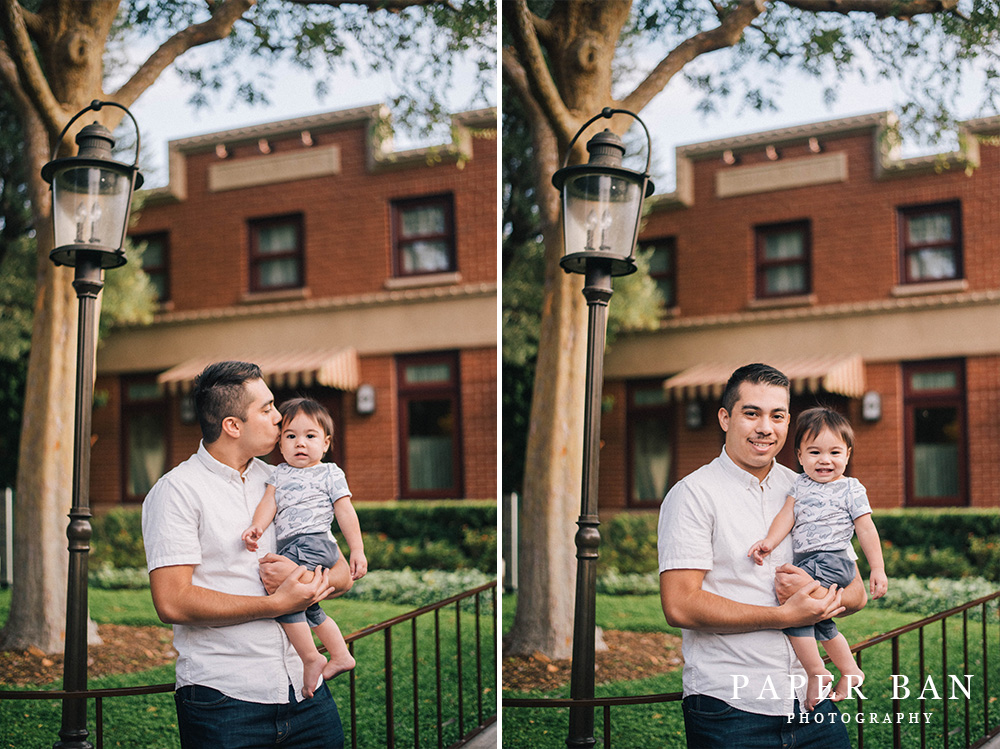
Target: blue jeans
column 208, row 719
column 710, row 723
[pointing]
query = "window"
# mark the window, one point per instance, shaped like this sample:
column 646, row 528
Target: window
column 423, row 236
column 663, row 267
column 783, row 260
column 930, row 240
column 650, row 443
column 934, row 397
column 429, row 419
column 276, row 253
column 145, row 416
column 155, row 262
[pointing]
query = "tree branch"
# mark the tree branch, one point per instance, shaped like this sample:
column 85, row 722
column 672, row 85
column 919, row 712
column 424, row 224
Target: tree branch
column 878, row 8
column 536, row 72
column 725, row 35
column 226, row 14
column 29, row 72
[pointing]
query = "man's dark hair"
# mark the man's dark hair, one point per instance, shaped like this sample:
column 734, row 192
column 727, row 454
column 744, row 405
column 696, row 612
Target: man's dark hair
column 755, row 374
column 314, row 410
column 220, row 392
column 810, row 423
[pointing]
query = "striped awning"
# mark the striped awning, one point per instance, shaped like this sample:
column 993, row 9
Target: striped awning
column 844, row 375
column 337, row 368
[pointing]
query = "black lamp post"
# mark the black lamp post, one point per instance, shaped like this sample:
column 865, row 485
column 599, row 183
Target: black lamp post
column 602, row 204
column 91, row 197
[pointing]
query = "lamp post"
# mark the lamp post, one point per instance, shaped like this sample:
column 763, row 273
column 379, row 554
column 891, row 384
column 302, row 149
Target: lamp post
column 91, row 197
column 601, row 207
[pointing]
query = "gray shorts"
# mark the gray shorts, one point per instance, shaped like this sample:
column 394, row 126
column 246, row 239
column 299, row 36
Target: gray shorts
column 828, row 567
column 309, row 550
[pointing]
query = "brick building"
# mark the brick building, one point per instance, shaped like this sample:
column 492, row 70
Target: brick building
column 351, row 272
column 873, row 281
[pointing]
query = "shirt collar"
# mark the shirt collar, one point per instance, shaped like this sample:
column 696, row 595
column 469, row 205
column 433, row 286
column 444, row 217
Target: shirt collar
column 743, row 476
column 219, row 468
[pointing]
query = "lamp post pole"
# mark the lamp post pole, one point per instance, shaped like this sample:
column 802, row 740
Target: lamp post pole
column 91, row 197
column 597, row 291
column 602, row 202
column 88, row 283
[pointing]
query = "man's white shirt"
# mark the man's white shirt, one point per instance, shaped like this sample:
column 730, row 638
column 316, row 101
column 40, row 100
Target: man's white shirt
column 195, row 515
column 708, row 521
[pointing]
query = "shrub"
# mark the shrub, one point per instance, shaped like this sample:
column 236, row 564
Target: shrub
column 415, row 587
column 117, row 539
column 928, row 597
column 628, row 543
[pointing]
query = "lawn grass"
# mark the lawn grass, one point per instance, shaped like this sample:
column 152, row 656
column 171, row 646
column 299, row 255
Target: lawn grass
column 661, row 725
column 150, row 721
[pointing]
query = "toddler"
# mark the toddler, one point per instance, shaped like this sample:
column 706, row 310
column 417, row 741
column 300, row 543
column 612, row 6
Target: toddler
column 302, row 497
column 823, row 511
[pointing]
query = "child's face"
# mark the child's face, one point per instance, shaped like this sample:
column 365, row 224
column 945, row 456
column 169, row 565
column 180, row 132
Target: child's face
column 824, row 456
column 303, row 442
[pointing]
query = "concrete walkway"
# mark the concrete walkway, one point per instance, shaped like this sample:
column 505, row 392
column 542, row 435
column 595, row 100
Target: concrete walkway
column 488, row 739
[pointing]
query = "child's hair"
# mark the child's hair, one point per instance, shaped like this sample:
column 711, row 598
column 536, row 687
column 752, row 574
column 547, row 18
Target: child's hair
column 814, row 420
column 316, row 411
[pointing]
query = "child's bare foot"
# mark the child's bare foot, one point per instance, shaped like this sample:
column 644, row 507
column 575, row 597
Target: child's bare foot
column 337, row 666
column 818, row 688
column 312, row 674
column 848, row 680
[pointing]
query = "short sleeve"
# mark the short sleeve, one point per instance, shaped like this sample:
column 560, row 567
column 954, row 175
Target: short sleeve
column 337, row 483
column 684, row 532
column 170, row 527
column 272, row 479
column 857, row 500
column 796, row 491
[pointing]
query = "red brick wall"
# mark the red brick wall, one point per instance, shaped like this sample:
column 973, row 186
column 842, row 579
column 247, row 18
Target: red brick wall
column 347, row 222
column 854, row 225
column 983, row 418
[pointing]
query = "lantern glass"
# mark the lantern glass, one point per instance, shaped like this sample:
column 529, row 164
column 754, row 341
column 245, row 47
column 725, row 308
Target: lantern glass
column 601, row 213
column 89, row 205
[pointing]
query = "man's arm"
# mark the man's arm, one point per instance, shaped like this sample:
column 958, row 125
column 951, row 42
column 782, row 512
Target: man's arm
column 179, row 601
column 687, row 605
column 789, row 579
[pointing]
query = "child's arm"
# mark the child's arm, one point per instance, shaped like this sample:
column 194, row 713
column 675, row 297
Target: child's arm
column 781, row 526
column 347, row 519
column 262, row 518
column 864, row 526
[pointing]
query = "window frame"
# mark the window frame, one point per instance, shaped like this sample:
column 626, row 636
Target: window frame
column 665, row 412
column 944, row 397
column 163, row 269
column 410, row 392
column 128, row 408
column 256, row 258
column 670, row 274
column 397, row 208
column 762, row 264
column 903, row 216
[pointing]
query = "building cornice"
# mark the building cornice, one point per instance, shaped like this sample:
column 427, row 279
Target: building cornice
column 380, row 152
column 883, row 127
column 353, row 302
column 853, row 309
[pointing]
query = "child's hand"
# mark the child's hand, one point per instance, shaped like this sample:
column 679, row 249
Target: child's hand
column 250, row 536
column 878, row 583
column 359, row 565
column 759, row 550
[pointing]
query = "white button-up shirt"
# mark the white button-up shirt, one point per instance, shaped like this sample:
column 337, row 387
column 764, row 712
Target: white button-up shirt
column 195, row 515
column 708, row 521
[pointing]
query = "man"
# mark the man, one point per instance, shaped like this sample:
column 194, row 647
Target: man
column 742, row 681
column 239, row 682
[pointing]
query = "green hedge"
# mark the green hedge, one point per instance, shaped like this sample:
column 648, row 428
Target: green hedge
column 449, row 535
column 952, row 543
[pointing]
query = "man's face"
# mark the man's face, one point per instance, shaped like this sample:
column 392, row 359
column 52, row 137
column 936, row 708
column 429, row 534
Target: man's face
column 261, row 428
column 757, row 427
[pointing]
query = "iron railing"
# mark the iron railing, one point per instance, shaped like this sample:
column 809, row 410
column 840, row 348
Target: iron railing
column 973, row 737
column 484, row 677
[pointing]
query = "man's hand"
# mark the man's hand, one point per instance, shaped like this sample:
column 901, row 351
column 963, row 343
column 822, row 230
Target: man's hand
column 303, row 588
column 788, row 579
column 803, row 609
